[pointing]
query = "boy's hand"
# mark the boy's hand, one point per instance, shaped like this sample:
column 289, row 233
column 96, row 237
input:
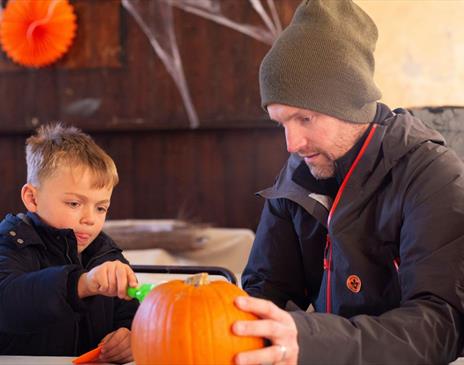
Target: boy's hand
column 110, row 279
column 116, row 347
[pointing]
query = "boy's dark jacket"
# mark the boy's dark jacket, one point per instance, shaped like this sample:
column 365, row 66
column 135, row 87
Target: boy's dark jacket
column 40, row 312
column 404, row 200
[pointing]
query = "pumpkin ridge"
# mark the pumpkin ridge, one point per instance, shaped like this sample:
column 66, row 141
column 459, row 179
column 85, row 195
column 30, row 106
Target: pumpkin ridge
column 219, row 290
column 191, row 332
column 210, row 343
column 147, row 333
column 167, row 325
column 179, row 316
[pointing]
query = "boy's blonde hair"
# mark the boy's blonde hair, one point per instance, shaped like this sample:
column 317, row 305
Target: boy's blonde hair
column 55, row 145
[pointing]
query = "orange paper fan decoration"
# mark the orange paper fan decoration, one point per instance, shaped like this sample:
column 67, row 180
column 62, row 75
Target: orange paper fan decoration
column 36, row 33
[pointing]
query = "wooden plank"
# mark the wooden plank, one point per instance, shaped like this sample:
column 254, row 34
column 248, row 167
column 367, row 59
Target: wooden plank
column 98, row 41
column 13, row 173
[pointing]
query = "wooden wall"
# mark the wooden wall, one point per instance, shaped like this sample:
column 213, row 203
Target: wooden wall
column 112, row 78
column 114, row 86
column 205, row 175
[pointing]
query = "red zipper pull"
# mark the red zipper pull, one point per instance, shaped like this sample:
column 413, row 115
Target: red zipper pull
column 326, row 252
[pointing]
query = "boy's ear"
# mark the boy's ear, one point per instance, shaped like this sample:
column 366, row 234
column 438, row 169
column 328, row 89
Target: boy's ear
column 28, row 195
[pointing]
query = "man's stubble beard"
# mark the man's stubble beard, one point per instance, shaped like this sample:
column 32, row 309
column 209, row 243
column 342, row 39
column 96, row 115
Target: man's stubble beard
column 323, row 172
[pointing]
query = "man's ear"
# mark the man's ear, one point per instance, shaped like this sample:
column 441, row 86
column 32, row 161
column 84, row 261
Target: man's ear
column 28, row 195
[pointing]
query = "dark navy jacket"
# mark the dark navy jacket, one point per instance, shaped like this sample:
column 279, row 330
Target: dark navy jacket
column 403, row 205
column 40, row 312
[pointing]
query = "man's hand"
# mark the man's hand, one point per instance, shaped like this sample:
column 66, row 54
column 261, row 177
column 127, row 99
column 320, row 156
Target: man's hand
column 275, row 324
column 110, row 279
column 116, row 347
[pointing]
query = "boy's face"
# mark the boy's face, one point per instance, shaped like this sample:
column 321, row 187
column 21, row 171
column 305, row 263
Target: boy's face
column 68, row 200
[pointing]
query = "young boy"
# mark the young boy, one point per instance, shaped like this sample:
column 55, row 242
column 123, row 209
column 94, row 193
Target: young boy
column 62, row 280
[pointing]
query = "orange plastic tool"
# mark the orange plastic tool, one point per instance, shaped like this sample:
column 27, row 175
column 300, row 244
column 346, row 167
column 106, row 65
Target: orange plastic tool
column 90, row 356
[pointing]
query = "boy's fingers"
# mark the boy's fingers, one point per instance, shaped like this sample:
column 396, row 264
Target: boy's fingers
column 106, row 338
column 123, row 357
column 121, row 282
column 101, row 280
column 133, row 282
column 117, row 343
column 111, row 277
column 116, row 352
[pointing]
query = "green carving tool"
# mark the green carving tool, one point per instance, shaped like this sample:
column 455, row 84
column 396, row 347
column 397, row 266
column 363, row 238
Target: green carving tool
column 140, row 292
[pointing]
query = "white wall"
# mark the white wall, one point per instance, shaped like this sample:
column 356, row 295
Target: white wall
column 420, row 52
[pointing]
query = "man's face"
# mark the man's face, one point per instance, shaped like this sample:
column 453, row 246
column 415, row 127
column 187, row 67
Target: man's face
column 68, row 200
column 318, row 138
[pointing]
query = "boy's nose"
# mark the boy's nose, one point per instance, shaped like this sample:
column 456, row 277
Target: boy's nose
column 88, row 217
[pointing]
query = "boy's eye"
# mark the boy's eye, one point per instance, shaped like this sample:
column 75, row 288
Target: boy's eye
column 102, row 209
column 73, row 204
column 305, row 119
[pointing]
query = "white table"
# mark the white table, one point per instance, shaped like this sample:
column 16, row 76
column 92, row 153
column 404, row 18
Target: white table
column 57, row 360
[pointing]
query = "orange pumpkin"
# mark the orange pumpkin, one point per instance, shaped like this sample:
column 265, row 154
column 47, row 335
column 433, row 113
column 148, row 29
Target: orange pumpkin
column 189, row 322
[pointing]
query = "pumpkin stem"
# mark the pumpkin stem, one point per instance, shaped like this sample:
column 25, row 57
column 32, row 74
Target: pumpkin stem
column 198, row 279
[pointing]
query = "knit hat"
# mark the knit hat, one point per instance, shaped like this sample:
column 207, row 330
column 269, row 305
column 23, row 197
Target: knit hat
column 323, row 61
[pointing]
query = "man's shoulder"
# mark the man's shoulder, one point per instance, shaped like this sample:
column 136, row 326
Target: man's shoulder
column 410, row 129
column 406, row 137
column 284, row 184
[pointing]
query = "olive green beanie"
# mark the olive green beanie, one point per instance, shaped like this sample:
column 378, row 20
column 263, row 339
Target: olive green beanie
column 323, row 61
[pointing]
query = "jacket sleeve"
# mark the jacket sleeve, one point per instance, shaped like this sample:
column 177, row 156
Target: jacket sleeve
column 421, row 331
column 428, row 326
column 31, row 297
column 275, row 268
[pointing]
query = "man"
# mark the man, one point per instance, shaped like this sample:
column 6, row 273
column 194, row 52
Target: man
column 366, row 220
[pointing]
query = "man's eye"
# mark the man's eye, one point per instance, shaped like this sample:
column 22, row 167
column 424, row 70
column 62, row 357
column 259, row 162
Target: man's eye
column 306, row 119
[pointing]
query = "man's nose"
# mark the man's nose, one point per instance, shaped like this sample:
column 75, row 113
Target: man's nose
column 294, row 139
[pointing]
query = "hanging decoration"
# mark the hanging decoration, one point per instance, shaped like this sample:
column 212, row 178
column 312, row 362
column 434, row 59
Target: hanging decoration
column 156, row 20
column 36, row 33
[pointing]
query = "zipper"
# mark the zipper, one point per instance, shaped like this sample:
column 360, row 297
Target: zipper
column 327, row 267
column 327, row 264
column 67, row 251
